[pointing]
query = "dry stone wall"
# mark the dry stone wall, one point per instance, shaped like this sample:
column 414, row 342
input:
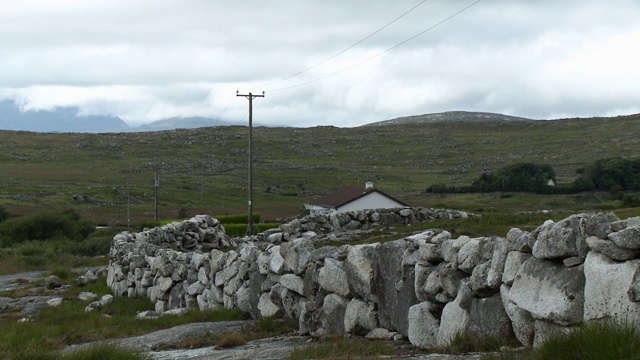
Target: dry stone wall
column 427, row 287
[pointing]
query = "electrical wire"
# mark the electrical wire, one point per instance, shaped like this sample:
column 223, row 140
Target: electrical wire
column 379, row 54
column 346, row 49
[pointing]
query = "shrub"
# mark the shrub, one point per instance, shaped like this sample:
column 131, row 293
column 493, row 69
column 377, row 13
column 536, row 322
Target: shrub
column 4, row 214
column 230, row 340
column 46, row 226
column 631, row 201
column 237, row 219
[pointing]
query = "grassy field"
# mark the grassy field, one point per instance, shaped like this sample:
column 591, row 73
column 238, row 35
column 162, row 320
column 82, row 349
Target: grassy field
column 108, row 178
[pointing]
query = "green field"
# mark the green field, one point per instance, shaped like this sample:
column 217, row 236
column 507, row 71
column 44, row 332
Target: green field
column 108, row 178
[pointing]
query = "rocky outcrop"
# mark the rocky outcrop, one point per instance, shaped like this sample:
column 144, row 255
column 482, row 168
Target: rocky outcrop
column 427, row 287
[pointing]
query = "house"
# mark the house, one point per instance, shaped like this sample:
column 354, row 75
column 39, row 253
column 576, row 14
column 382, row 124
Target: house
column 351, row 198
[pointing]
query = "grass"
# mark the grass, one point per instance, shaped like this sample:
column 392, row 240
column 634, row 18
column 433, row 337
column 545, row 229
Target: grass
column 464, row 343
column 204, row 170
column 54, row 328
column 95, row 352
column 593, row 341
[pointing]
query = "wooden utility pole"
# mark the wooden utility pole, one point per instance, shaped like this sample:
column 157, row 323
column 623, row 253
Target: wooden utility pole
column 156, row 184
column 250, row 97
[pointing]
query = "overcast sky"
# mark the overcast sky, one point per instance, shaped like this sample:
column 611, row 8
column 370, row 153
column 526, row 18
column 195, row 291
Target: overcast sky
column 145, row 60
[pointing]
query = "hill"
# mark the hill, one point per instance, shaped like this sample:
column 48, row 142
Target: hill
column 449, row 116
column 66, row 119
column 204, row 170
column 181, row 123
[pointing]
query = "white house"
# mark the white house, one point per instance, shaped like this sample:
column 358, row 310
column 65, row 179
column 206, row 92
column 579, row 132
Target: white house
column 351, row 198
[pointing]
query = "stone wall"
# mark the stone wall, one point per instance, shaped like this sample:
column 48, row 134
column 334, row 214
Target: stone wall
column 426, row 287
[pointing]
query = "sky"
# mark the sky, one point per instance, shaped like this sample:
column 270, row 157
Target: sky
column 329, row 62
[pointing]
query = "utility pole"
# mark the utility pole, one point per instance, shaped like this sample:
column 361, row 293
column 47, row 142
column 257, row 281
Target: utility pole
column 250, row 97
column 156, row 183
column 128, row 205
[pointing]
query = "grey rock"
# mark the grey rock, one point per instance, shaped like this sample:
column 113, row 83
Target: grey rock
column 611, row 250
column 360, row 268
column 394, row 286
column 521, row 320
column 360, row 317
column 334, row 308
column 424, row 324
column 293, row 283
column 520, row 240
column 550, row 291
column 607, row 289
column 628, row 238
column 545, row 330
column 333, row 277
column 380, row 334
column 488, row 318
column 87, row 296
column 266, row 307
column 563, row 239
column 515, row 260
column 52, row 282
column 454, row 320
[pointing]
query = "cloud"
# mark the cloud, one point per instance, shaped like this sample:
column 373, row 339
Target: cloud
column 148, row 60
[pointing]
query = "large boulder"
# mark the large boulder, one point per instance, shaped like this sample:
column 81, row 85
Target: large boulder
column 454, row 319
column 610, row 249
column 361, row 271
column 296, row 254
column 333, row 277
column 561, row 240
column 395, row 287
column 628, row 238
column 487, row 318
column 550, row 291
column 607, row 285
column 360, row 317
column 424, row 324
column 522, row 322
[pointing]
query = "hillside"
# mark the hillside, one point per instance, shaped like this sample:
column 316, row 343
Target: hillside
column 65, row 119
column 205, row 170
column 449, row 116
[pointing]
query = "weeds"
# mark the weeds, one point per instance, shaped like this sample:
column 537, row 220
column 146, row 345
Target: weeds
column 230, row 340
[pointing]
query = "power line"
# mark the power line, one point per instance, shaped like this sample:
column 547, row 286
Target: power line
column 345, row 50
column 379, row 54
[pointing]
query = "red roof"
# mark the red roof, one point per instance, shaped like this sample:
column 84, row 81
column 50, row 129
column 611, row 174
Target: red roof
column 346, row 195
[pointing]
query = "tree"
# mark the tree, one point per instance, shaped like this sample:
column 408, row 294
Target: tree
column 607, row 173
column 4, row 214
column 517, row 177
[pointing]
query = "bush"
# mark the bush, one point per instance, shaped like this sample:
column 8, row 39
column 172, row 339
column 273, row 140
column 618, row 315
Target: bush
column 631, row 201
column 240, row 230
column 46, row 226
column 4, row 214
column 237, row 219
column 230, row 341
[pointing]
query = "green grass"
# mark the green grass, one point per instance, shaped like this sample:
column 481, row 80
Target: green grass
column 591, row 341
column 204, row 170
column 54, row 328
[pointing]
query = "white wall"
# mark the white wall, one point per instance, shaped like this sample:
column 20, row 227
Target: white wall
column 372, row 200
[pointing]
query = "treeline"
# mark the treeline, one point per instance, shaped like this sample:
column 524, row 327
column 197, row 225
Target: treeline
column 615, row 175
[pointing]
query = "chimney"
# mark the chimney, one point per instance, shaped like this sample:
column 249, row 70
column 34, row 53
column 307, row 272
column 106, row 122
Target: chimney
column 368, row 185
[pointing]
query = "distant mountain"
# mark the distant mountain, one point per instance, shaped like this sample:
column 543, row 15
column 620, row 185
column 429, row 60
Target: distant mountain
column 448, row 117
column 182, row 123
column 65, row 119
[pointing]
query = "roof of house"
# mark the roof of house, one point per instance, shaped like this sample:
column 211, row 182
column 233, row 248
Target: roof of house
column 348, row 194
